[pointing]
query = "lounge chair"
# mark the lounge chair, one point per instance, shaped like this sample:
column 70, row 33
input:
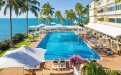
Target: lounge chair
column 98, row 45
column 93, row 39
column 31, row 40
column 55, row 63
column 108, row 51
column 62, row 63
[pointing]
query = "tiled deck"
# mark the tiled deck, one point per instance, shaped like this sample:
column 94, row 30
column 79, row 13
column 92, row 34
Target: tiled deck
column 111, row 61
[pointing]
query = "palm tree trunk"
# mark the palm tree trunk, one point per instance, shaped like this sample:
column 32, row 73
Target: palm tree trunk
column 27, row 24
column 11, row 41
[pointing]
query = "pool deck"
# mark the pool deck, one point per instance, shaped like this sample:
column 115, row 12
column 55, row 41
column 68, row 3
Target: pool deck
column 111, row 61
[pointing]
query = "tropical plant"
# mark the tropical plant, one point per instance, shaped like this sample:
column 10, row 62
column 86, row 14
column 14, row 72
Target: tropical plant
column 47, row 10
column 49, row 19
column 62, row 20
column 76, row 59
column 2, row 3
column 93, row 68
column 42, row 19
column 58, row 15
column 67, row 15
column 72, row 15
column 11, row 5
column 32, row 6
column 79, row 10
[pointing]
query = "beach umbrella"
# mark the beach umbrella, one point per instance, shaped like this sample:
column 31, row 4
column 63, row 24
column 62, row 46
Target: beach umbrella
column 59, row 25
column 75, row 22
column 34, row 27
column 23, row 57
column 53, row 23
column 41, row 25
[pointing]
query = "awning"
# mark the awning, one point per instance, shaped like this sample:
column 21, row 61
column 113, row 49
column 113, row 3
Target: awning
column 62, row 27
column 105, row 29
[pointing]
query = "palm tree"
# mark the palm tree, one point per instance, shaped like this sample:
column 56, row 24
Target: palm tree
column 2, row 3
column 49, row 19
column 72, row 15
column 67, row 15
column 62, row 20
column 79, row 10
column 32, row 6
column 58, row 15
column 47, row 10
column 42, row 19
column 11, row 5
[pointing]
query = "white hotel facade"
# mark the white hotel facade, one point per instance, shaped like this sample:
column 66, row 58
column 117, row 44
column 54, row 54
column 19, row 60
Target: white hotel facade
column 105, row 18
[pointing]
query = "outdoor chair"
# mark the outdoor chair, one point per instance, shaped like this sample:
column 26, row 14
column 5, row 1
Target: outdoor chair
column 108, row 51
column 93, row 39
column 62, row 63
column 98, row 45
column 55, row 63
column 31, row 40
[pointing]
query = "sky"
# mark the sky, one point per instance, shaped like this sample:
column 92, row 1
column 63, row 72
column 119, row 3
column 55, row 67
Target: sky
column 61, row 5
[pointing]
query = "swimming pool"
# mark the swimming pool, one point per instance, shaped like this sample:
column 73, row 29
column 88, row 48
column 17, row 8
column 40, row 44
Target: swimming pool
column 64, row 45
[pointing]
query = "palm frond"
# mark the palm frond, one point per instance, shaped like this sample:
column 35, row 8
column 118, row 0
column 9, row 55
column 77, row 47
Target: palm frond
column 5, row 9
column 34, row 12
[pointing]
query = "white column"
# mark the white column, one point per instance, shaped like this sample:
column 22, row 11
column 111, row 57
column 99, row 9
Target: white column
column 42, row 32
column 78, row 31
column 117, row 44
column 111, row 42
column 39, row 34
column 84, row 34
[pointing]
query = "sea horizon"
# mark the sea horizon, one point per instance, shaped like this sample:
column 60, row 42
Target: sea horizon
column 19, row 25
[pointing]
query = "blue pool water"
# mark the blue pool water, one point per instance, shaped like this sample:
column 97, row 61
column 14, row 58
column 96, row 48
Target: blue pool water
column 64, row 45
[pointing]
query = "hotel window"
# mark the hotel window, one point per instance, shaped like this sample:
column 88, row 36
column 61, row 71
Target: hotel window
column 112, row 20
column 118, row 7
column 111, row 8
column 118, row 20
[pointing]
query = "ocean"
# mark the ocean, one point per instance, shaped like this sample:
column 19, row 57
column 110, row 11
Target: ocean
column 19, row 25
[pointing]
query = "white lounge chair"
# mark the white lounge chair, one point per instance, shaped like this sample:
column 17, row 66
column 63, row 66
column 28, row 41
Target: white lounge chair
column 55, row 64
column 62, row 63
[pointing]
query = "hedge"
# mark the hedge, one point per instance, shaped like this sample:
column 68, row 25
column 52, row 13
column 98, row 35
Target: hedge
column 4, row 45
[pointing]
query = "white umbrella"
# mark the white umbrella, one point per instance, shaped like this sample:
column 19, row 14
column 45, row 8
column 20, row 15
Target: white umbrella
column 23, row 57
column 53, row 23
column 41, row 25
column 59, row 25
column 34, row 27
column 75, row 22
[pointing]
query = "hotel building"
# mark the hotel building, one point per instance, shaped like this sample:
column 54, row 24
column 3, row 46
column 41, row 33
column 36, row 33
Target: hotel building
column 105, row 19
column 105, row 12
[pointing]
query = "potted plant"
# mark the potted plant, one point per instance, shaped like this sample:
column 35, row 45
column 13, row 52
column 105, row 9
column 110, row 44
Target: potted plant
column 77, row 62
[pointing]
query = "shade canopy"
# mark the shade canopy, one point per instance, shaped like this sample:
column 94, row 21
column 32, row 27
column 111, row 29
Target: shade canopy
column 53, row 23
column 75, row 22
column 62, row 27
column 59, row 25
column 105, row 29
column 41, row 25
column 23, row 57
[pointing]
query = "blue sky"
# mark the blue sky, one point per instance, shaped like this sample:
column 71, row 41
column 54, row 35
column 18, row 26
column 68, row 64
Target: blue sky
column 57, row 4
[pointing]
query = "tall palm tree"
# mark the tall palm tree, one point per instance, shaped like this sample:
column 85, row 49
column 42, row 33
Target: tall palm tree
column 67, row 15
column 62, row 20
column 11, row 5
column 72, row 15
column 2, row 3
column 58, row 15
column 79, row 10
column 49, row 19
column 47, row 10
column 42, row 19
column 32, row 6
